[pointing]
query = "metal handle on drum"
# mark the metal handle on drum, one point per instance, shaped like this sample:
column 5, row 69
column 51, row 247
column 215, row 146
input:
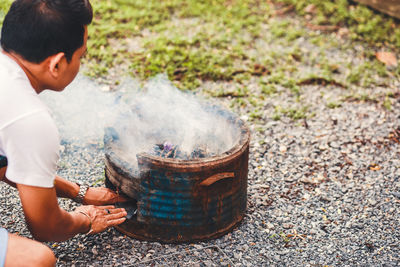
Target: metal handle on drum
column 216, row 177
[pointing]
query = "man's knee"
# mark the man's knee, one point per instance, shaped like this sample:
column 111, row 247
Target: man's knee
column 22, row 251
column 44, row 257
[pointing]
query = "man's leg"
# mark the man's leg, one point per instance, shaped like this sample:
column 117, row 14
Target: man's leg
column 22, row 251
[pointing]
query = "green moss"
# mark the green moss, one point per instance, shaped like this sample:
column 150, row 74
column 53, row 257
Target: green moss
column 285, row 30
column 255, row 115
column 355, row 75
column 387, row 103
column 364, row 73
column 276, row 116
column 268, row 89
column 209, row 55
column 4, row 6
column 333, row 104
column 363, row 23
column 296, row 113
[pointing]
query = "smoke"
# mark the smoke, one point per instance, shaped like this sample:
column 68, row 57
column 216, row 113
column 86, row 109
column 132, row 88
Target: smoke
column 161, row 113
column 81, row 111
column 140, row 118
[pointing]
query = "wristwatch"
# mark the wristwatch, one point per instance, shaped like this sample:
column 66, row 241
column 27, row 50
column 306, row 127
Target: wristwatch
column 81, row 194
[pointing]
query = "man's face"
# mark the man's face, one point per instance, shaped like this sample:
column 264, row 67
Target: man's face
column 73, row 66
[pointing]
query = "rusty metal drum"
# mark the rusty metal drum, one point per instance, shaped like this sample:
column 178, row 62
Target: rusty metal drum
column 182, row 200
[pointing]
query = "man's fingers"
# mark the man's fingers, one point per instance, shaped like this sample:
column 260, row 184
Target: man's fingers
column 116, row 221
column 109, row 207
column 117, row 215
column 117, row 210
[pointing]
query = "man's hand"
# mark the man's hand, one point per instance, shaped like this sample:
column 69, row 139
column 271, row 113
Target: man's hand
column 48, row 222
column 100, row 196
column 103, row 217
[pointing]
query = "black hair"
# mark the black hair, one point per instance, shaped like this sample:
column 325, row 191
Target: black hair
column 37, row 29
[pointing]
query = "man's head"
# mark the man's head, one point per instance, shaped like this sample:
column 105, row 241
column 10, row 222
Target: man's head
column 48, row 33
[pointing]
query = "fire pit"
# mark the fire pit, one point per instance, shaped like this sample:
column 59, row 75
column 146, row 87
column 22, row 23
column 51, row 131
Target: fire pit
column 175, row 199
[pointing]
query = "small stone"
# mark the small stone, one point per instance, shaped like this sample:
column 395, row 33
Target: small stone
column 282, row 148
column 396, row 194
column 94, row 251
column 237, row 256
column 105, row 88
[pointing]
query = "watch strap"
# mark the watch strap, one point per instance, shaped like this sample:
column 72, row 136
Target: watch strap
column 81, row 194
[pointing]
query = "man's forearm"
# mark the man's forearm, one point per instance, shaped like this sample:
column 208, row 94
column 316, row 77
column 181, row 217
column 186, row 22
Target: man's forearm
column 45, row 219
column 65, row 188
column 71, row 223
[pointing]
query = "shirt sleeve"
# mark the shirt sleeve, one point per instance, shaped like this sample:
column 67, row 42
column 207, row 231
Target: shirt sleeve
column 31, row 145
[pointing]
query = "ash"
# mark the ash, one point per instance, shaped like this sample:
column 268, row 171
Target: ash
column 168, row 150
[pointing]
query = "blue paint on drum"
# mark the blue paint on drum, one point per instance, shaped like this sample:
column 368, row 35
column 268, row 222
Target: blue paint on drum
column 166, row 196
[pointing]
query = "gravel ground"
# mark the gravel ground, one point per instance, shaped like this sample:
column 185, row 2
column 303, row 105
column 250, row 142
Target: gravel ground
column 323, row 191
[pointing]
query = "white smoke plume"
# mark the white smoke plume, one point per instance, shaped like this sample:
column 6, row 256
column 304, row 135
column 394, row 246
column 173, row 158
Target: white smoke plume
column 141, row 117
column 81, row 111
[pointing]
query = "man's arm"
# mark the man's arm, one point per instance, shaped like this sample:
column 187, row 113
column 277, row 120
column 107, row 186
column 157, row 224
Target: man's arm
column 48, row 222
column 94, row 195
column 64, row 188
column 4, row 178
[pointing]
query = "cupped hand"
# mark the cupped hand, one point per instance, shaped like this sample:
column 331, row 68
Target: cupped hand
column 103, row 217
column 102, row 196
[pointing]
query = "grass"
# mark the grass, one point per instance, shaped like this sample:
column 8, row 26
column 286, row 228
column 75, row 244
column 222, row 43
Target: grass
column 207, row 55
column 4, row 6
column 364, row 23
column 218, row 41
column 240, row 42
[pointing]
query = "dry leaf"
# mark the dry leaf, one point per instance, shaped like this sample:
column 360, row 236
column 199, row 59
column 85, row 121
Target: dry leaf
column 343, row 32
column 310, row 8
column 388, row 58
column 374, row 167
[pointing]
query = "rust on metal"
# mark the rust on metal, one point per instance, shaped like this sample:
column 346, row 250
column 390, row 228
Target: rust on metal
column 216, row 177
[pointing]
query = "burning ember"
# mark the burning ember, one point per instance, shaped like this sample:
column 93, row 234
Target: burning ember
column 168, row 150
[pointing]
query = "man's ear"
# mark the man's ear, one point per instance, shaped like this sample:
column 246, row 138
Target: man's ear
column 56, row 63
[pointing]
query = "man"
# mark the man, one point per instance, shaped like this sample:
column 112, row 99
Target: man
column 42, row 43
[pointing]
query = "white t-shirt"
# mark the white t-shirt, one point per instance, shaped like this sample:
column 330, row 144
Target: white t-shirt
column 28, row 135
